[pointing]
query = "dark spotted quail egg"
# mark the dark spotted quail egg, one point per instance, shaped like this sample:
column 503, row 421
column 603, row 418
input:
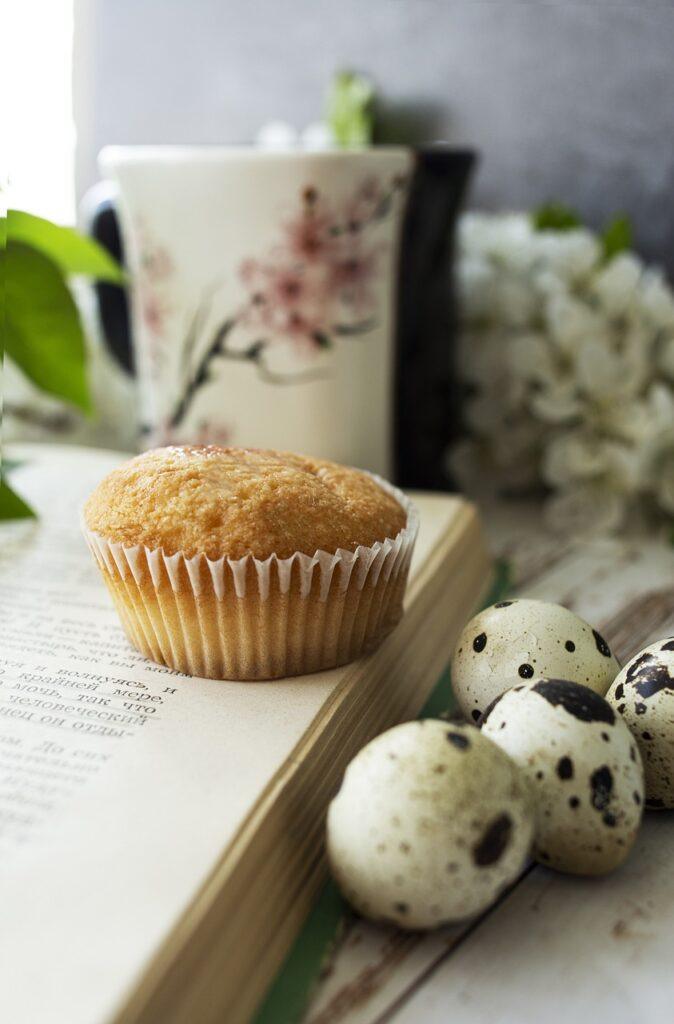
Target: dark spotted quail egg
column 583, row 767
column 643, row 694
column 432, row 822
column 518, row 640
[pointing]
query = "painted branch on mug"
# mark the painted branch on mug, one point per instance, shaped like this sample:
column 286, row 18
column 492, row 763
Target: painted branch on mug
column 313, row 286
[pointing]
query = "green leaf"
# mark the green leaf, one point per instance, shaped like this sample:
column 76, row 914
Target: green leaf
column 616, row 237
column 3, row 302
column 349, row 111
column 43, row 334
column 11, row 505
column 555, row 217
column 71, row 252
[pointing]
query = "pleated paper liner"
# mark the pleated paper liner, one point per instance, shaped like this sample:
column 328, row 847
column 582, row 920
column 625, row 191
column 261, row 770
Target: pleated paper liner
column 250, row 619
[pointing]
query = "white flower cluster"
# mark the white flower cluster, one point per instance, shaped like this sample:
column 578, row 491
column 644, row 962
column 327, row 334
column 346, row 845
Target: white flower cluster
column 568, row 359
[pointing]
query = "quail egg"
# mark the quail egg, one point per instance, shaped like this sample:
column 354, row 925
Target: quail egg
column 523, row 639
column 643, row 694
column 431, row 823
column 583, row 767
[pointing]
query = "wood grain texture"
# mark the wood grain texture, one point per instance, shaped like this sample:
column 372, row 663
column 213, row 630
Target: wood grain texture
column 563, row 949
column 581, row 938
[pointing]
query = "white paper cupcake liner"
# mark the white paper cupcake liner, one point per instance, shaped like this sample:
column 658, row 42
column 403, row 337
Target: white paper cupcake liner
column 251, row 618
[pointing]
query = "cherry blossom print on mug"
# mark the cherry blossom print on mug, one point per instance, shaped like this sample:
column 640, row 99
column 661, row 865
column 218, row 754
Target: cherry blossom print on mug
column 315, row 286
column 153, row 283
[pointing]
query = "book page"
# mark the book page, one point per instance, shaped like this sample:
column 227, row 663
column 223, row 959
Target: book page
column 121, row 781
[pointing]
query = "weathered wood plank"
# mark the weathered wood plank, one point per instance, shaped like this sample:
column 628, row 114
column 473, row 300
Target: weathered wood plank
column 565, row 949
column 627, row 588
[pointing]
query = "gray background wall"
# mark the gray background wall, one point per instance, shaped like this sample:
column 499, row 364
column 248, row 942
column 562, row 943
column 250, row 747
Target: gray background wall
column 572, row 101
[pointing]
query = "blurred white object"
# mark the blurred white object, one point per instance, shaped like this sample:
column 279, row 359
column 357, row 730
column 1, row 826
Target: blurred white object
column 317, row 136
column 277, row 135
column 569, row 358
column 38, row 128
column 280, row 135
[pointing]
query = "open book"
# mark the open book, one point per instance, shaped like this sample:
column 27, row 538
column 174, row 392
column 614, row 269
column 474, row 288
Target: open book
column 161, row 836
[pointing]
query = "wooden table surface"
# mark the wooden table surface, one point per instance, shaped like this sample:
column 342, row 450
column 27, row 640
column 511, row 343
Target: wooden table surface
column 555, row 948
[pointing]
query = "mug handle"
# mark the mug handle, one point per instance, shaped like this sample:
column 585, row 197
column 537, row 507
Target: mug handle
column 100, row 220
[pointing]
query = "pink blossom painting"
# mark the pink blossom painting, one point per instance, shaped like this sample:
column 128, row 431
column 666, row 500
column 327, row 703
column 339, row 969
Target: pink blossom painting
column 153, row 283
column 316, row 284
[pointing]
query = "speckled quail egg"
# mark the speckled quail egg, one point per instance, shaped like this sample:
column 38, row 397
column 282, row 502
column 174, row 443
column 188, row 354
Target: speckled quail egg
column 524, row 639
column 431, row 823
column 583, row 767
column 643, row 694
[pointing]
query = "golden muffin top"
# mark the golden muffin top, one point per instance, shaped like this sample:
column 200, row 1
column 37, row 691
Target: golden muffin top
column 239, row 501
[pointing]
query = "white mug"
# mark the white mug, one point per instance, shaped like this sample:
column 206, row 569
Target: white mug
column 263, row 291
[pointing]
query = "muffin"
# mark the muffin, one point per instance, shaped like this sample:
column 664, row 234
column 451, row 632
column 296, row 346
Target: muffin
column 239, row 563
